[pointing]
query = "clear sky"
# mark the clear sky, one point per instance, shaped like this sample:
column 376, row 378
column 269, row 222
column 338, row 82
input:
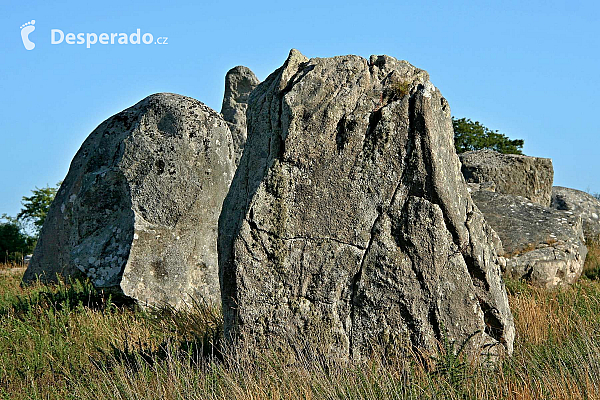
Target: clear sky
column 528, row 69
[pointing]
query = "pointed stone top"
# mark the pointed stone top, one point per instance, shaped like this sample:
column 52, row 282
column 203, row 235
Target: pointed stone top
column 290, row 67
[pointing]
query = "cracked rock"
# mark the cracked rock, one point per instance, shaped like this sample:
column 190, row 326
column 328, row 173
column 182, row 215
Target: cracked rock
column 542, row 245
column 349, row 226
column 139, row 207
column 513, row 174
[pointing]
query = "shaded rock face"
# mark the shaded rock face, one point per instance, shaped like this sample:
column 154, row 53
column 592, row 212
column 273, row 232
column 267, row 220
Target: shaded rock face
column 138, row 209
column 518, row 175
column 579, row 203
column 542, row 245
column 239, row 83
column 348, row 224
column 474, row 187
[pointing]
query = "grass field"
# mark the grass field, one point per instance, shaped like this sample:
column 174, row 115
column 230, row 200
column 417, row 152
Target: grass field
column 71, row 342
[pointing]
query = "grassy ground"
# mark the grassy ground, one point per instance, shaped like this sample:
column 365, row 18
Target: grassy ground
column 71, row 342
column 591, row 268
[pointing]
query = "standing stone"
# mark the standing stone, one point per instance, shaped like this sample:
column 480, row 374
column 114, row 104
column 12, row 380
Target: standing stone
column 514, row 174
column 239, row 83
column 541, row 245
column 580, row 203
column 138, row 209
column 349, row 226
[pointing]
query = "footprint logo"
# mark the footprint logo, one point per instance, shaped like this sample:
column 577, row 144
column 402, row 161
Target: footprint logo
column 26, row 29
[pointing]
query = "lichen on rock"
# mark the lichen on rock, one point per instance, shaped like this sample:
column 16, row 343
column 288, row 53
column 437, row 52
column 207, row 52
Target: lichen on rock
column 348, row 224
column 138, row 209
column 513, row 174
column 541, row 245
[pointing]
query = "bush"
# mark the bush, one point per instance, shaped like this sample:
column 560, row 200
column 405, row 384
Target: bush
column 14, row 244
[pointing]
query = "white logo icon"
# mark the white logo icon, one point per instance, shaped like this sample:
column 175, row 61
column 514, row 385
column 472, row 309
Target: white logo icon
column 26, row 29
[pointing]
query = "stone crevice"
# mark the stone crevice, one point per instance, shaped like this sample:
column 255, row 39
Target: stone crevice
column 357, row 277
column 275, row 235
column 388, row 171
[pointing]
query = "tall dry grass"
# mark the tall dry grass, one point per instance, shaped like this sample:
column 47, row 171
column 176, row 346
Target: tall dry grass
column 591, row 268
column 70, row 341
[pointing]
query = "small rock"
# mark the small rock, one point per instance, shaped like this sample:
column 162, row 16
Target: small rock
column 579, row 203
column 542, row 245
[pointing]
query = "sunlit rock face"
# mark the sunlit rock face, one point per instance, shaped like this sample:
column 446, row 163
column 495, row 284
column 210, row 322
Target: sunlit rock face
column 348, row 223
column 138, row 209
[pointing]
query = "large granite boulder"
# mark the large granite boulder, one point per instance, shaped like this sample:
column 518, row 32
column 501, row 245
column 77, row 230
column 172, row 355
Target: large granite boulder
column 514, row 174
column 139, row 207
column 348, row 224
column 579, row 203
column 240, row 81
column 543, row 245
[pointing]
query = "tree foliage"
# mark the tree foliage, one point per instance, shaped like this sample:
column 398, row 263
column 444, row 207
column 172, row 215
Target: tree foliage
column 469, row 135
column 14, row 243
column 35, row 207
column 15, row 240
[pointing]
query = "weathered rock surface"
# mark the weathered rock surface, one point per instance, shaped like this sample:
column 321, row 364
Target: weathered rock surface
column 579, row 203
column 518, row 175
column 239, row 83
column 348, row 223
column 542, row 245
column 139, row 207
column 474, row 187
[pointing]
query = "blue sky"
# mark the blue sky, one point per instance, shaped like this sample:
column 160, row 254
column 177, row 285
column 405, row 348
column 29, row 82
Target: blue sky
column 528, row 69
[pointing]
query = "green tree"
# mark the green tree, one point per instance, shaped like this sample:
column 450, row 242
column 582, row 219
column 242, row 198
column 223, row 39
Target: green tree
column 35, row 207
column 469, row 135
column 14, row 243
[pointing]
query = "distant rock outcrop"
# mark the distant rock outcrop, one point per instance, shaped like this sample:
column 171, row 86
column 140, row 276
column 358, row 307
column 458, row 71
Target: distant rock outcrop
column 138, row 209
column 239, row 83
column 519, row 175
column 579, row 203
column 348, row 224
column 542, row 245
